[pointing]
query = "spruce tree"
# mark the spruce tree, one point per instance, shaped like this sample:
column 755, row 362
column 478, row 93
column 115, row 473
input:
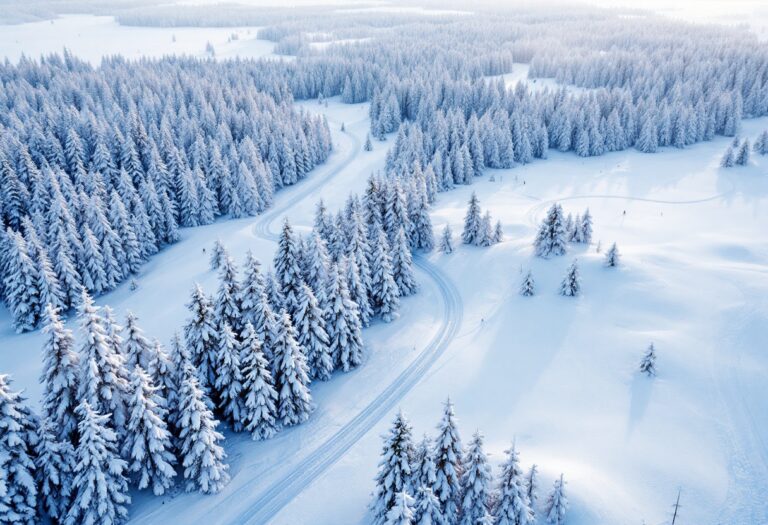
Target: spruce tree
column 571, row 285
column 100, row 488
column 294, row 402
column 147, row 444
column 358, row 289
column 486, row 231
column 475, row 483
column 252, row 286
column 368, row 146
column 21, row 284
column 401, row 512
column 427, row 508
column 200, row 450
column 312, row 337
column 228, row 385
column 728, row 160
column 424, row 473
column 557, row 503
column 259, row 393
column 18, row 437
column 472, row 222
column 513, row 507
column 54, row 463
column 742, row 156
column 227, row 308
column 201, row 337
column 448, row 465
column 446, row 240
column 137, row 349
column 532, row 486
column 288, row 269
column 218, row 254
column 59, row 377
column 342, row 321
column 163, row 375
column 422, row 237
column 648, row 363
column 551, row 237
column 498, row 233
column 385, row 294
column 612, row 256
column 402, row 265
column 394, row 474
column 585, row 229
column 527, row 287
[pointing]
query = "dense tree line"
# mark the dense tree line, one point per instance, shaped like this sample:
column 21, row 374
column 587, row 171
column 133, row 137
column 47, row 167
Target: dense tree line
column 441, row 482
column 100, row 167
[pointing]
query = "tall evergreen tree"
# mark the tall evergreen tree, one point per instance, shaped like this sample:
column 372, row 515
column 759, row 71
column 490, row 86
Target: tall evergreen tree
column 401, row 512
column 147, row 444
column 446, row 240
column 288, row 269
column 532, row 487
column 402, row 265
column 99, row 486
column 472, row 222
column 427, row 508
column 229, row 378
column 294, row 402
column 648, row 363
column 227, row 308
column 312, row 336
column 54, row 463
column 513, row 507
column 551, row 237
column 424, row 473
column 571, row 285
column 557, row 503
column 21, row 284
column 394, row 475
column 342, row 321
column 18, row 491
column 448, row 464
column 612, row 256
column 528, row 287
column 475, row 483
column 136, row 347
column 385, row 294
column 259, row 392
column 201, row 336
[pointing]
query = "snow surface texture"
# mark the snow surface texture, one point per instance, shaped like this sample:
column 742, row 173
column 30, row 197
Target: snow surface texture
column 557, row 374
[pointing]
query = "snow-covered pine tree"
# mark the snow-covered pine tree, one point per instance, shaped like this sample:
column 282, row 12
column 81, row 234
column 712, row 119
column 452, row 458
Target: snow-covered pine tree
column 585, row 229
column 402, row 265
column 102, row 381
column 288, row 268
column 422, row 236
column 273, row 291
column 573, row 234
column 251, row 288
column 401, row 512
column 498, row 233
column 358, row 286
column 448, row 465
column 312, row 337
column 427, row 508
column 742, row 155
column 513, row 507
column 446, row 240
column 394, row 473
column 486, row 231
column 200, row 451
column 551, row 237
column 323, row 223
column 99, row 487
column 728, row 160
column 648, row 363
column 475, row 483
column 227, row 308
column 59, row 377
column 218, row 254
column 424, row 474
column 147, row 443
column 258, row 393
column 368, row 146
column 294, row 402
column 571, row 285
column 473, row 222
column 137, row 349
column 557, row 503
column 528, row 287
column 532, row 486
column 54, row 462
column 200, row 335
column 385, row 294
column 229, row 378
column 18, row 437
column 612, row 256
column 761, row 144
column 21, row 284
column 163, row 375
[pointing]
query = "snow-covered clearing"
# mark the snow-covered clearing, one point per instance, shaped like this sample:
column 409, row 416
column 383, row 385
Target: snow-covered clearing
column 519, row 74
column 92, row 37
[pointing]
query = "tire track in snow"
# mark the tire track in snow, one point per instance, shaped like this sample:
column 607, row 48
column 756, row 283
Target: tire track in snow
column 277, row 495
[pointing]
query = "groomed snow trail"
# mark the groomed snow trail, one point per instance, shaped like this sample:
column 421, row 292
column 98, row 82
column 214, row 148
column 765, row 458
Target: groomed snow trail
column 265, row 505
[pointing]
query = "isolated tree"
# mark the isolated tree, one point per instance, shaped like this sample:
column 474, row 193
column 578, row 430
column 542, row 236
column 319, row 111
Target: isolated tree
column 394, row 473
column 571, row 284
column 585, row 228
column 147, row 444
column 136, row 347
column 448, row 465
column 59, row 377
column 294, row 402
column 18, row 491
column 475, row 483
column 368, row 146
column 99, row 487
column 551, row 238
column 401, row 512
column 312, row 336
column 648, row 363
column 446, row 241
column 527, row 287
column 260, row 397
column 498, row 233
column 728, row 160
column 473, row 222
column 513, row 507
column 200, row 452
column 557, row 503
column 54, row 463
column 612, row 256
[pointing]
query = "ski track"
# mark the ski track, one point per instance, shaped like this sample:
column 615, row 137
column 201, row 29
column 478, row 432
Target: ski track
column 267, row 504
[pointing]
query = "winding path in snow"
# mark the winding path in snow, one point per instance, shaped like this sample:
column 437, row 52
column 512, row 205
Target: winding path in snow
column 264, row 505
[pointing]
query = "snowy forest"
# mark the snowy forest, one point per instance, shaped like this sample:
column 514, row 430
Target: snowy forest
column 388, row 206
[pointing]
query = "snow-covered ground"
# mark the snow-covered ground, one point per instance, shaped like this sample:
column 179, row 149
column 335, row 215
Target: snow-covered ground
column 520, row 74
column 557, row 375
column 92, row 37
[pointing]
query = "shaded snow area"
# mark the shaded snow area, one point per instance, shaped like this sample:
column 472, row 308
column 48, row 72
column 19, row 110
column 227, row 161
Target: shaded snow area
column 92, row 37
